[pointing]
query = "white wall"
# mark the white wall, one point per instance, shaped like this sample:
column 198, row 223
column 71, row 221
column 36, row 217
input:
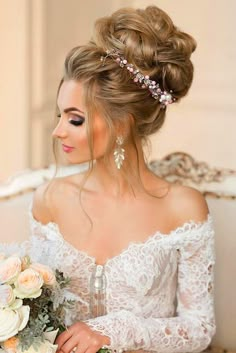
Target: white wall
column 204, row 123
column 14, row 86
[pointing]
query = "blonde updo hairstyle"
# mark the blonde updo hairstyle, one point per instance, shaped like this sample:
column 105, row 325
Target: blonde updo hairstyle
column 150, row 41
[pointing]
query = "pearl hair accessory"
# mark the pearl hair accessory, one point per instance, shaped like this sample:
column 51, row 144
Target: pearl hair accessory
column 164, row 97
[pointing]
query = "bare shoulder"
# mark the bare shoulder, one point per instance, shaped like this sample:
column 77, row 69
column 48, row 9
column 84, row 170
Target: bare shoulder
column 42, row 201
column 51, row 195
column 187, row 203
column 47, row 196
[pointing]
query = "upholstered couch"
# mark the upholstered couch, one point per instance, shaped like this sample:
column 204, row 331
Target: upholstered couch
column 217, row 184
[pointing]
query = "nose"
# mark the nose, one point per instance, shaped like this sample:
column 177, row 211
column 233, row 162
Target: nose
column 60, row 130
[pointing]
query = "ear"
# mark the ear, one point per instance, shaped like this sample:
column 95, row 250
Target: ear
column 123, row 127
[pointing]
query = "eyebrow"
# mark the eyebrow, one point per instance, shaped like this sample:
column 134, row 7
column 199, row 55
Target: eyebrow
column 70, row 109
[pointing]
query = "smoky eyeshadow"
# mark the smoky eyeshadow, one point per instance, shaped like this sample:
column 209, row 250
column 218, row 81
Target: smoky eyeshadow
column 77, row 122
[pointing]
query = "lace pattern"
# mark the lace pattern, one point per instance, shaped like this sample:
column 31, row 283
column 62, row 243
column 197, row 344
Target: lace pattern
column 193, row 325
column 159, row 294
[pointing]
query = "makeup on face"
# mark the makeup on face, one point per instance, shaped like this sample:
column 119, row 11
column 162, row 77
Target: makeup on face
column 67, row 149
column 71, row 129
column 74, row 118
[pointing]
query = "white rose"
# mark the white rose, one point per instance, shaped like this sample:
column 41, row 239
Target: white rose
column 16, row 304
column 7, row 296
column 13, row 321
column 28, row 284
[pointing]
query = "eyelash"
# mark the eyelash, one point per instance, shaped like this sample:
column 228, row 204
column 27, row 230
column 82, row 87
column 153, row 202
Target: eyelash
column 74, row 122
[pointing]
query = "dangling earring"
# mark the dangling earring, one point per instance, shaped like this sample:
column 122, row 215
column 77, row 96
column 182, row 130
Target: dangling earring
column 119, row 153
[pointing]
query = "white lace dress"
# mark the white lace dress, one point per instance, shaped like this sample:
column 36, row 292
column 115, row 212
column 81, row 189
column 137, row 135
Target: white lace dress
column 159, row 293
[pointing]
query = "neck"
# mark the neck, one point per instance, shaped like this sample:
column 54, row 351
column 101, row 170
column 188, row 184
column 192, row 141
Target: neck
column 124, row 181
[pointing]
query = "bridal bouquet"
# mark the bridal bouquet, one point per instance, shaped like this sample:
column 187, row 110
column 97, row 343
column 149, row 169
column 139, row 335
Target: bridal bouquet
column 33, row 304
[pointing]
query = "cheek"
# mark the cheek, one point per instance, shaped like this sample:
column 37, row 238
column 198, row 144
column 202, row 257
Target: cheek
column 82, row 140
column 79, row 137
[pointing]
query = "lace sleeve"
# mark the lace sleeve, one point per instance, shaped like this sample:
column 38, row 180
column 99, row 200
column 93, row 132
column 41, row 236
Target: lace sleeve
column 39, row 249
column 193, row 327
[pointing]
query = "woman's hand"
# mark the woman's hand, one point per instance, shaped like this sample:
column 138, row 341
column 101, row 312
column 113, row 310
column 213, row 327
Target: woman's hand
column 79, row 338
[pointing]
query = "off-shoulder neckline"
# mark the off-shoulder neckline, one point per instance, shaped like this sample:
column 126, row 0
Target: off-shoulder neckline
column 184, row 228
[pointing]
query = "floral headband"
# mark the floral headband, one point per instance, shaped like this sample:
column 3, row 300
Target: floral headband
column 164, row 97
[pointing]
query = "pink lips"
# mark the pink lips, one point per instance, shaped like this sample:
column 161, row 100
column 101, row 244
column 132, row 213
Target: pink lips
column 67, row 148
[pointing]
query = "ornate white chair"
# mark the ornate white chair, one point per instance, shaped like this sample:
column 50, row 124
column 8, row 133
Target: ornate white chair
column 218, row 185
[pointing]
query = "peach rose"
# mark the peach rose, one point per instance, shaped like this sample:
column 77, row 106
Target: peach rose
column 10, row 269
column 28, row 284
column 10, row 345
column 48, row 275
column 7, row 296
column 13, row 321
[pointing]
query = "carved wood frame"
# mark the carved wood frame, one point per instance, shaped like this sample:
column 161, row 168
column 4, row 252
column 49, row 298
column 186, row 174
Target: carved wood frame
column 177, row 167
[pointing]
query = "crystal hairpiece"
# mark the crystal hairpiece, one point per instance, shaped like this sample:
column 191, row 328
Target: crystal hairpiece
column 164, row 97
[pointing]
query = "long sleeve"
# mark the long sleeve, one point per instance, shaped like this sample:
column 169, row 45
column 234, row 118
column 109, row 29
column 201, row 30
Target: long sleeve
column 193, row 327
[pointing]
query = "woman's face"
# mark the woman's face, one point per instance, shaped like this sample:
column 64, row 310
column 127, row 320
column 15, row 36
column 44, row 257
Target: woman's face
column 71, row 128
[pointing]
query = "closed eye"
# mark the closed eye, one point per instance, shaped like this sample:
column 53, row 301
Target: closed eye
column 76, row 120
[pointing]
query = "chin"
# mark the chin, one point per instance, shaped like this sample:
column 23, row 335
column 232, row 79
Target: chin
column 78, row 161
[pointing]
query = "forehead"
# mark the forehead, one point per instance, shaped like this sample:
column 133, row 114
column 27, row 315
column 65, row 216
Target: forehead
column 70, row 94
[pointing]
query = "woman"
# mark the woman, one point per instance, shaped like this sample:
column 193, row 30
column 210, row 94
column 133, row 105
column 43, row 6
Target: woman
column 138, row 248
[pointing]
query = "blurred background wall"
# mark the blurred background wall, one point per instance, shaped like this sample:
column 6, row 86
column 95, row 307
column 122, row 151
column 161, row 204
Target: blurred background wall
column 35, row 37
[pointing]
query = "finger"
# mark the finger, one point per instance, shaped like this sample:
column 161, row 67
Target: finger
column 81, row 348
column 92, row 349
column 70, row 344
column 62, row 338
column 94, row 346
